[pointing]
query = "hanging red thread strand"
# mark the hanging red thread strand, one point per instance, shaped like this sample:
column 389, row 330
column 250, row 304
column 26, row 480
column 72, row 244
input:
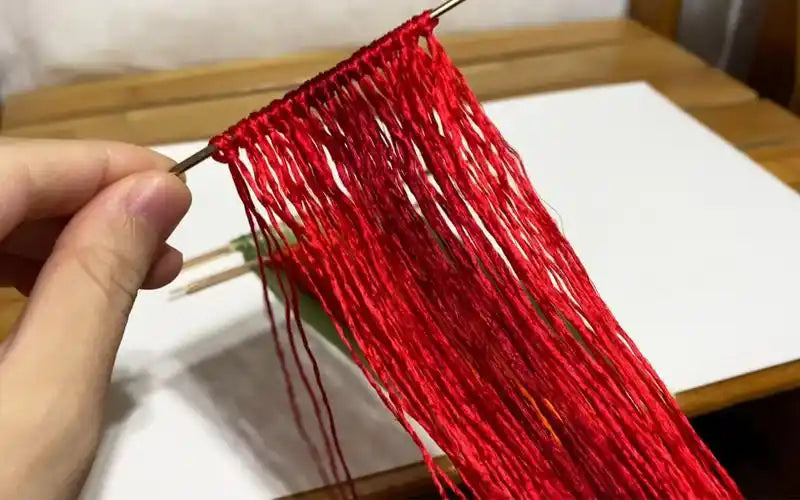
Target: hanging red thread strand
column 420, row 233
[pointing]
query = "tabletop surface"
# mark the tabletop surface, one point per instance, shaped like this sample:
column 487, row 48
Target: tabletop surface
column 193, row 104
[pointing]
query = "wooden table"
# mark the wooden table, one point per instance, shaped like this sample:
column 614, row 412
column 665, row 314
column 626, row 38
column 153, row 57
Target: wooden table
column 197, row 103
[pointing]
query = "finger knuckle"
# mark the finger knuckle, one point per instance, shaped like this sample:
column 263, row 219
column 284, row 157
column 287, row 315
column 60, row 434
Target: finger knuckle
column 114, row 274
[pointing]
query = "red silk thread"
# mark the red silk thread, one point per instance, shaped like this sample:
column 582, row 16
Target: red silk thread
column 422, row 236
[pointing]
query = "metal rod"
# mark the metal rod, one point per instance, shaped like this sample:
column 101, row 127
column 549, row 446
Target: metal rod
column 446, row 7
column 193, row 160
column 209, row 150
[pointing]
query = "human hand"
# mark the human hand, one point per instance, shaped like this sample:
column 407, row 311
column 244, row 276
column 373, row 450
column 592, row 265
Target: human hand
column 82, row 229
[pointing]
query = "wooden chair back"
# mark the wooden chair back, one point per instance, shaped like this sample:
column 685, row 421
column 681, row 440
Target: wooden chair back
column 661, row 16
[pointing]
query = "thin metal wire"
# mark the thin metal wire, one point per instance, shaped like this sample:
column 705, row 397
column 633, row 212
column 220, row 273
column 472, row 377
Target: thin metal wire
column 446, row 7
column 209, row 150
column 193, row 160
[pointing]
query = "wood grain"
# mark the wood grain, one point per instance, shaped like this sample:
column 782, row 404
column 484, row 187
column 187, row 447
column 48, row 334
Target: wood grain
column 662, row 16
column 411, row 481
column 751, row 124
column 274, row 76
column 772, row 152
column 749, row 387
column 648, row 57
column 787, row 171
column 684, row 82
column 782, row 160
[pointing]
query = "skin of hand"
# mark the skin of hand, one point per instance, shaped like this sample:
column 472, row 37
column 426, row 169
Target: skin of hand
column 83, row 227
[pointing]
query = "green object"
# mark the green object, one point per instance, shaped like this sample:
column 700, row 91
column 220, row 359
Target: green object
column 311, row 310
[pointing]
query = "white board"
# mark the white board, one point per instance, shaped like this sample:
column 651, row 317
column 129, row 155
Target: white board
column 694, row 247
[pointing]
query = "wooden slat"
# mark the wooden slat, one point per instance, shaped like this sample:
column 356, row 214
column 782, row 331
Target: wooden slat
column 775, row 152
column 787, row 171
column 246, row 77
column 751, row 124
column 704, row 87
column 698, row 86
column 567, row 69
column 736, row 390
column 412, row 481
column 662, row 16
column 782, row 160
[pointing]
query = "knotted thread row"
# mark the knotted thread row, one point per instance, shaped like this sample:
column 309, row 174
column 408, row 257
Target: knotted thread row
column 420, row 233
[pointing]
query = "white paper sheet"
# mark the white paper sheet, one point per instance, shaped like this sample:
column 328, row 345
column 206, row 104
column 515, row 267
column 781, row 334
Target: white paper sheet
column 694, row 247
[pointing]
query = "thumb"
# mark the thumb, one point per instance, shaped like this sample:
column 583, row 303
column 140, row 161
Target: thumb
column 71, row 329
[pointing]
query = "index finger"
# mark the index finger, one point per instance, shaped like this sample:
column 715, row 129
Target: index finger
column 52, row 178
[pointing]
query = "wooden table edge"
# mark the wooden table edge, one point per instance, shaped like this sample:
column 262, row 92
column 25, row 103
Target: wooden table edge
column 26, row 109
column 746, row 387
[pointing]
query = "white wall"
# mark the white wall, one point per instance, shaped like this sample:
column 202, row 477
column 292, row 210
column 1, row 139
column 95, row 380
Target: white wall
column 45, row 42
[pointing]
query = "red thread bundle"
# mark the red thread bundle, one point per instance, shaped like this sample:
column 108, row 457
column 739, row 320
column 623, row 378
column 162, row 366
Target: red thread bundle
column 420, row 233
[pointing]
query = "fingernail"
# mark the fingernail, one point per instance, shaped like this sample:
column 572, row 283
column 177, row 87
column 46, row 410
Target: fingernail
column 160, row 199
